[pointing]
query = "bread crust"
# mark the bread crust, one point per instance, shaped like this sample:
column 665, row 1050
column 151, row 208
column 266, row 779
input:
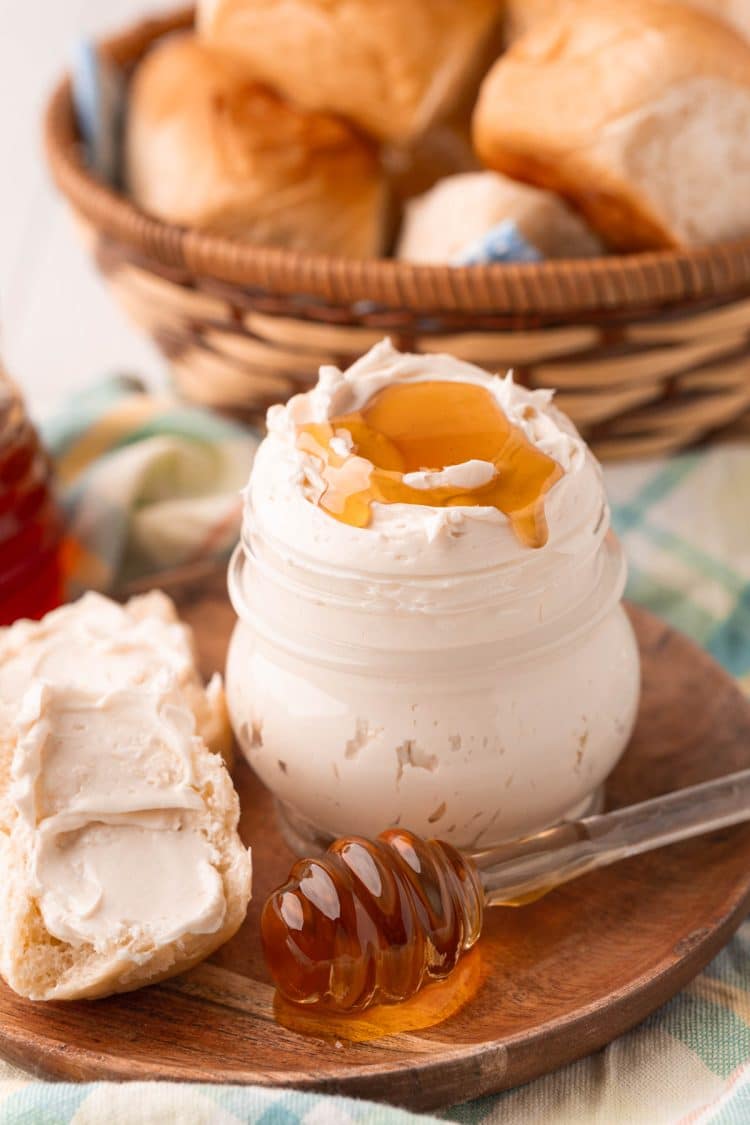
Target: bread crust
column 523, row 15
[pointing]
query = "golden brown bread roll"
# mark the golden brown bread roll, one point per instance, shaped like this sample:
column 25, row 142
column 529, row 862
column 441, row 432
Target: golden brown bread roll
column 207, row 147
column 525, row 14
column 637, row 112
column 389, row 65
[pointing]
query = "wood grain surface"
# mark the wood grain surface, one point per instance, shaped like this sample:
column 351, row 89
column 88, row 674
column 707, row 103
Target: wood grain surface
column 548, row 983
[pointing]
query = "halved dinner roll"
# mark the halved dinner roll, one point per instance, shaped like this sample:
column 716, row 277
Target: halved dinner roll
column 389, row 65
column 209, row 146
column 637, row 112
column 122, row 864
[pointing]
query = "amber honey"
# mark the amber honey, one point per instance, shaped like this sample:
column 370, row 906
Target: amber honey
column 427, row 427
column 437, row 1002
column 371, row 921
column 30, row 527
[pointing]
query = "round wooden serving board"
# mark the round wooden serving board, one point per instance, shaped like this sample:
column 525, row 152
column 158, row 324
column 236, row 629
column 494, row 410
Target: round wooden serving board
column 548, row 983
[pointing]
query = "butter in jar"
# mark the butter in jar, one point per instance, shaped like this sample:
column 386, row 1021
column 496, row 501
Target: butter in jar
column 457, row 662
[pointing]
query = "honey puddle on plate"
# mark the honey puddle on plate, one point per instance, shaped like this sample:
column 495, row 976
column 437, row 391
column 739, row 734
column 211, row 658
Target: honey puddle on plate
column 431, row 1006
column 427, row 427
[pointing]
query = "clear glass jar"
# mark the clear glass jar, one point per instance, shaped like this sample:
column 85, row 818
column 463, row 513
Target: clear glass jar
column 475, row 708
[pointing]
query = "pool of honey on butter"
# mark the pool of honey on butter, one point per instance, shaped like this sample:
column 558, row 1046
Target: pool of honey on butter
column 431, row 1006
column 426, row 427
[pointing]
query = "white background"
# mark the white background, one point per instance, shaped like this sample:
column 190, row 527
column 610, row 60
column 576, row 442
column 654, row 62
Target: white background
column 59, row 327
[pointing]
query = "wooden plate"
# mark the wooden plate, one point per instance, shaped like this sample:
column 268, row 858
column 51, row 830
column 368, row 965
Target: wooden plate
column 548, row 983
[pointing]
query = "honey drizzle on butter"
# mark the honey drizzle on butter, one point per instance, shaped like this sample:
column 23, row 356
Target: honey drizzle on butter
column 428, row 426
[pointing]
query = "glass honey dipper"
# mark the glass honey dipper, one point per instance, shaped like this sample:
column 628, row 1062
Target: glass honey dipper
column 371, row 921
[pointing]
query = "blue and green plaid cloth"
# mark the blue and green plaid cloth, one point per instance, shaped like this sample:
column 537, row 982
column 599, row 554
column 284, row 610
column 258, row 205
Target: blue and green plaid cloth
column 147, row 483
column 128, row 461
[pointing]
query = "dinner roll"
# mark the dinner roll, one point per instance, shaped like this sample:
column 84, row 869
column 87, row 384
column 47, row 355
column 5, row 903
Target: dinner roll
column 121, row 864
column 389, row 65
column 459, row 210
column 208, row 147
column 525, row 14
column 637, row 112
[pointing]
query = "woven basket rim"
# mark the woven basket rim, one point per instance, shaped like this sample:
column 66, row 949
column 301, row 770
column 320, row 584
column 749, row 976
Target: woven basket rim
column 552, row 290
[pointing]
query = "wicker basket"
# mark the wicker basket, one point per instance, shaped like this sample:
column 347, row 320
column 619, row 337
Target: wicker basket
column 649, row 352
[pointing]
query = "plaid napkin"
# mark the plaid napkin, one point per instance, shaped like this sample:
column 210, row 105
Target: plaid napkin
column 128, row 460
column 147, row 483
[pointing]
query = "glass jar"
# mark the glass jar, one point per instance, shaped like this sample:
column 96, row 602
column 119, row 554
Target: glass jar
column 30, row 526
column 476, row 707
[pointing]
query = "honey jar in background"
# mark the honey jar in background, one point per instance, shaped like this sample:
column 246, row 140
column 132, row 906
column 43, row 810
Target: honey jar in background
column 31, row 580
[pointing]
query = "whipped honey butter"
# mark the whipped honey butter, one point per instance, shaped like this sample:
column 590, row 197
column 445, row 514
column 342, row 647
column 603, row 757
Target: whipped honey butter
column 96, row 643
column 107, row 812
column 430, row 631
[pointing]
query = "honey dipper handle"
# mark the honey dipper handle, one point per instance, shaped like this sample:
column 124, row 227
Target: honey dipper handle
column 523, row 870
